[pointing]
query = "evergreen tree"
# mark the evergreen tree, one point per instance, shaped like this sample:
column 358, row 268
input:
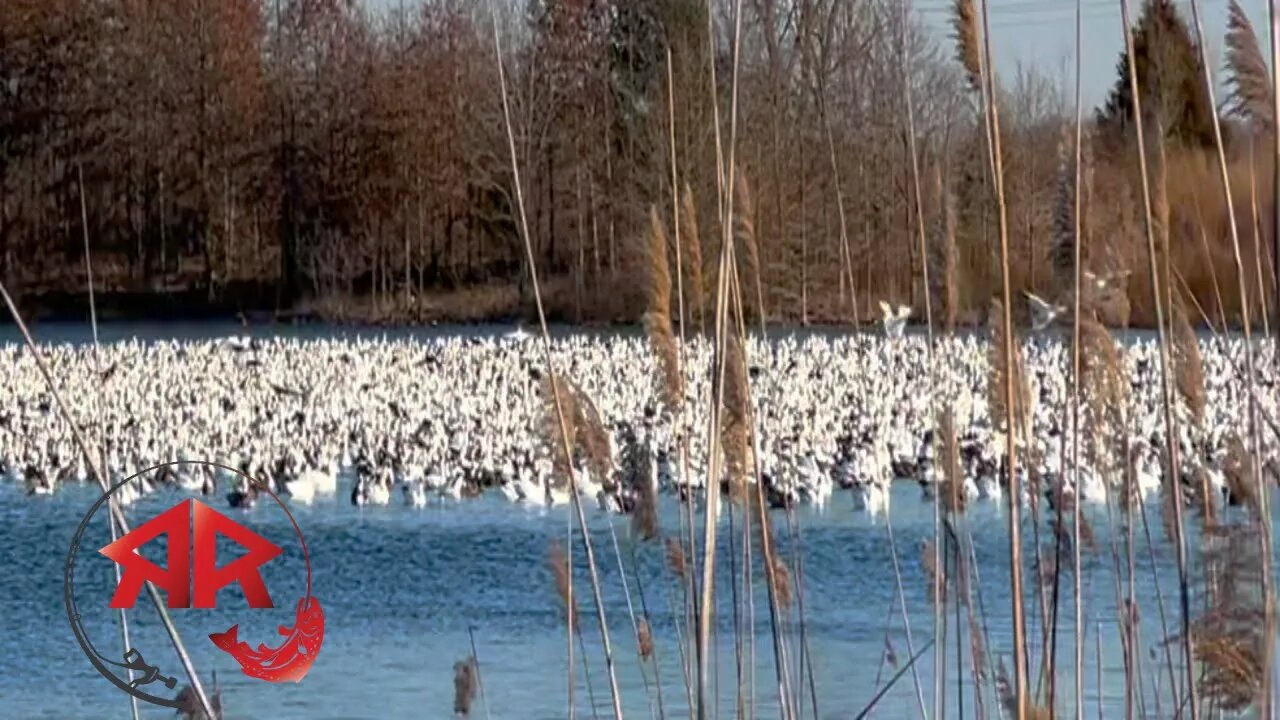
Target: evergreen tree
column 1170, row 78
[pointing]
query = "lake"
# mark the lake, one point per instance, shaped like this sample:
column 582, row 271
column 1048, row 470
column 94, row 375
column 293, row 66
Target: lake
column 402, row 587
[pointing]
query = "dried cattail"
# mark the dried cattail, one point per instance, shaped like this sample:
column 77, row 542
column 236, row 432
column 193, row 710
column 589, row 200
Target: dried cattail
column 1202, row 499
column 644, row 639
column 693, row 250
column 676, row 559
column 951, row 485
column 1237, row 472
column 890, row 655
column 638, row 461
column 1188, row 365
column 657, row 318
column 464, row 686
column 937, row 576
column 968, row 41
column 1004, row 690
column 745, row 236
column 564, row 582
column 1250, row 82
column 735, row 426
column 781, row 582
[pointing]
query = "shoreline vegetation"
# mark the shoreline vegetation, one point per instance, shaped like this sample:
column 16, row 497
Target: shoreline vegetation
column 324, row 160
column 253, row 305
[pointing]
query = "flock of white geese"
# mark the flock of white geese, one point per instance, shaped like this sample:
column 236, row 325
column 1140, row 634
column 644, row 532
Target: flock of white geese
column 383, row 421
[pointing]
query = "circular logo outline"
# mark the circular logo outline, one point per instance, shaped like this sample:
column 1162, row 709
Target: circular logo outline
column 100, row 661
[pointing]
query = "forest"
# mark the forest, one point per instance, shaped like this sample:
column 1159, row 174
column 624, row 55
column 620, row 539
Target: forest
column 319, row 158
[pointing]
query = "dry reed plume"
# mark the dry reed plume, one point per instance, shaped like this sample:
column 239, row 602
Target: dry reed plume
column 657, row 318
column 644, row 639
column 1249, row 79
column 735, row 427
column 1188, row 367
column 1105, row 394
column 588, row 440
column 1230, row 642
column 676, row 559
column 968, row 41
column 593, row 438
column 554, row 386
column 1237, row 472
column 782, row 583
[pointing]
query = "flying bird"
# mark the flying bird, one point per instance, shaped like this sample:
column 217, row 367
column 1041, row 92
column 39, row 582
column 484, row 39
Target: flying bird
column 1043, row 313
column 892, row 320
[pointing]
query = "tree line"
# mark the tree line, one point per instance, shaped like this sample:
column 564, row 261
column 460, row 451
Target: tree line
column 317, row 154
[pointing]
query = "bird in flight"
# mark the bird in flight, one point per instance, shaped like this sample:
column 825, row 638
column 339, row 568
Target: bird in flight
column 892, row 320
column 1043, row 313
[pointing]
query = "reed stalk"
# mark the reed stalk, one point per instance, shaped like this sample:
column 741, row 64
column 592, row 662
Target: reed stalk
column 695, row 259
column 556, row 395
column 1077, row 276
column 1273, row 11
column 725, row 198
column 1166, row 392
column 918, row 205
column 1015, row 497
column 1258, row 251
column 475, row 662
column 1273, row 17
column 102, row 451
column 906, row 619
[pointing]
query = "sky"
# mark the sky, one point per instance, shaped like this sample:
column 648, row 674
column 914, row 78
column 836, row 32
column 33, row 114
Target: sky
column 1042, row 33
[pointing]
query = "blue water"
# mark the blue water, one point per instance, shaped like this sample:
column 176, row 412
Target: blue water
column 401, row 587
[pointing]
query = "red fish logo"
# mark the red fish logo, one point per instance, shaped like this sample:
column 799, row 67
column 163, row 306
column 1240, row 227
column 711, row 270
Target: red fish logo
column 191, row 577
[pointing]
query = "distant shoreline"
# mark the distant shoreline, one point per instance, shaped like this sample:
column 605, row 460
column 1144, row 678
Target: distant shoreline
column 253, row 307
